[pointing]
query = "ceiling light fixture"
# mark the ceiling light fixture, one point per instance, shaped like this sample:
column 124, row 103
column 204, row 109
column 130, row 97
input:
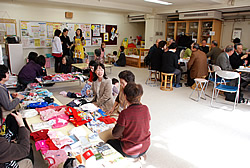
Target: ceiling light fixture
column 159, row 2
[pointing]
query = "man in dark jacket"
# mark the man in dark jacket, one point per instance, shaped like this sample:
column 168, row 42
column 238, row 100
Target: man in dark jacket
column 151, row 52
column 170, row 63
column 237, row 59
column 204, row 46
column 214, row 52
column 65, row 42
column 122, row 59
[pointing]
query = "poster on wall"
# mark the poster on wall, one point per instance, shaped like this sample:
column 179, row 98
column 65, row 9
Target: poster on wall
column 103, row 28
column 236, row 33
column 96, row 41
column 11, row 29
column 105, row 37
column 96, row 30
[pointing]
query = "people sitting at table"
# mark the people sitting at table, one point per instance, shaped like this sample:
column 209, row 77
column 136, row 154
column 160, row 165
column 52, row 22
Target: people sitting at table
column 125, row 77
column 237, row 59
column 156, row 56
column 65, row 66
column 28, row 74
column 14, row 154
column 101, row 88
column 197, row 65
column 122, row 59
column 6, row 101
column 169, row 63
column 204, row 46
column 214, row 52
column 131, row 132
column 152, row 51
column 188, row 51
column 86, row 87
column 223, row 59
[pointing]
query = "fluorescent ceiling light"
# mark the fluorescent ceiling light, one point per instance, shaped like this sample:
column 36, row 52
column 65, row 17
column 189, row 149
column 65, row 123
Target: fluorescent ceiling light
column 159, row 2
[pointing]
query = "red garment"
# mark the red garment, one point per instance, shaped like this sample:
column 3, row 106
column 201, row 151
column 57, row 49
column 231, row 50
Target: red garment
column 136, row 135
column 51, row 144
column 107, row 119
column 56, row 55
column 76, row 120
column 91, row 76
column 39, row 135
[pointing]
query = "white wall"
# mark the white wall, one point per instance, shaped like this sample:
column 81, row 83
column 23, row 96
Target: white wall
column 43, row 12
column 227, row 29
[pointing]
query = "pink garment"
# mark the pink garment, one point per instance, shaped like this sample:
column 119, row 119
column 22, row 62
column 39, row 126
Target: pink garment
column 41, row 145
column 55, row 157
column 50, row 113
column 59, row 139
column 60, row 121
column 57, row 108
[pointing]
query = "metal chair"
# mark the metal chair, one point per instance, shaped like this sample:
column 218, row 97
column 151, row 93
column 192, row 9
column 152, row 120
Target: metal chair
column 201, row 87
column 226, row 75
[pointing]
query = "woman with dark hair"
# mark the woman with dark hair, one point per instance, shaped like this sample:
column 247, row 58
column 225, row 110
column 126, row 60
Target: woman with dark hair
column 66, row 42
column 125, row 77
column 122, row 58
column 131, row 132
column 14, row 154
column 79, row 42
column 101, row 88
column 156, row 57
column 42, row 61
column 57, row 49
column 65, row 67
column 6, row 102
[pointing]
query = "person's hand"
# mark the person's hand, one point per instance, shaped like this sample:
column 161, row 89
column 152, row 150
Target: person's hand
column 110, row 111
column 19, row 96
column 244, row 56
column 18, row 118
column 14, row 95
column 87, row 92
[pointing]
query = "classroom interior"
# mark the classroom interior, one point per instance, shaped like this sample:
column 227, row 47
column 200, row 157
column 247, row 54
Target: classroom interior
column 184, row 133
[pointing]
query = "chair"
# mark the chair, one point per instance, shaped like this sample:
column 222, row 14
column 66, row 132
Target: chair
column 201, row 87
column 226, row 75
column 167, row 81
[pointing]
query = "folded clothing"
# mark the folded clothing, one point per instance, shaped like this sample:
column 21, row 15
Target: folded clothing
column 75, row 118
column 51, row 145
column 57, row 108
column 50, row 113
column 37, row 105
column 41, row 145
column 107, row 119
column 55, row 157
column 59, row 139
column 29, row 113
column 40, row 135
column 60, row 121
column 41, row 125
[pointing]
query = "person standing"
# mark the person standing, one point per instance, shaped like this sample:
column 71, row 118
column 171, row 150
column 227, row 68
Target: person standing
column 57, row 50
column 65, row 43
column 102, row 56
column 197, row 65
column 79, row 42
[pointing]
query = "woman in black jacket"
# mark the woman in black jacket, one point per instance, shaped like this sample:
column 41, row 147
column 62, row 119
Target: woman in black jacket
column 156, row 56
column 122, row 59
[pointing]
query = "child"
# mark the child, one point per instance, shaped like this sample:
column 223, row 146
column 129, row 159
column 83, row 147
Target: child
column 86, row 87
column 115, row 85
column 122, row 59
column 42, row 61
column 98, row 56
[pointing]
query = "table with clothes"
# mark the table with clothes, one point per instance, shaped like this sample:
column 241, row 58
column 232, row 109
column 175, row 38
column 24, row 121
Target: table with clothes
column 84, row 66
column 69, row 135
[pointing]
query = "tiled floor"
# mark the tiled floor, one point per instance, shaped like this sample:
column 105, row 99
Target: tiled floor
column 185, row 133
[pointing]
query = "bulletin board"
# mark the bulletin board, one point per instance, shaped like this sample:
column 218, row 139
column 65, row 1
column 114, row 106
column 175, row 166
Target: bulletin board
column 102, row 33
column 40, row 34
column 7, row 28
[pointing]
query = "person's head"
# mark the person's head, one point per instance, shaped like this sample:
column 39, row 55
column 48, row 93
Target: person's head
column 238, row 48
column 64, row 60
column 115, row 82
column 32, row 56
column 115, row 53
column 126, row 77
column 41, row 60
column 133, row 93
column 162, row 45
column 170, row 41
column 121, row 49
column 92, row 64
column 173, row 46
column 97, row 52
column 236, row 40
column 99, row 72
column 204, row 43
column 57, row 33
column 65, row 32
column 157, row 42
column 103, row 45
column 79, row 32
column 214, row 43
column 229, row 50
column 4, row 74
column 195, row 47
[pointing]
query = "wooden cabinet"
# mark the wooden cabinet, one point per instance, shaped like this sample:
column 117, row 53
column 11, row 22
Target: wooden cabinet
column 198, row 29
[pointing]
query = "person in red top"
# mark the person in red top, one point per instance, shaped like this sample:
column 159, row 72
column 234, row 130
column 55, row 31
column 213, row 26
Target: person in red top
column 132, row 129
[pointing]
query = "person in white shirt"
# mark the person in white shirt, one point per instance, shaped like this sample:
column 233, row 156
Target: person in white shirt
column 57, row 50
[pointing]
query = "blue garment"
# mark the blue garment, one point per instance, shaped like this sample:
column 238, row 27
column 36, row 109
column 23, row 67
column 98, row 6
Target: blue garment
column 84, row 89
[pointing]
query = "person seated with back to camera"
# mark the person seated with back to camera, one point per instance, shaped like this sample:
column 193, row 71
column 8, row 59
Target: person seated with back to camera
column 15, row 154
column 6, row 101
column 169, row 63
column 42, row 61
column 120, row 103
column 115, row 86
column 156, row 56
column 97, row 54
column 122, row 58
column 86, row 87
column 101, row 88
column 131, row 132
